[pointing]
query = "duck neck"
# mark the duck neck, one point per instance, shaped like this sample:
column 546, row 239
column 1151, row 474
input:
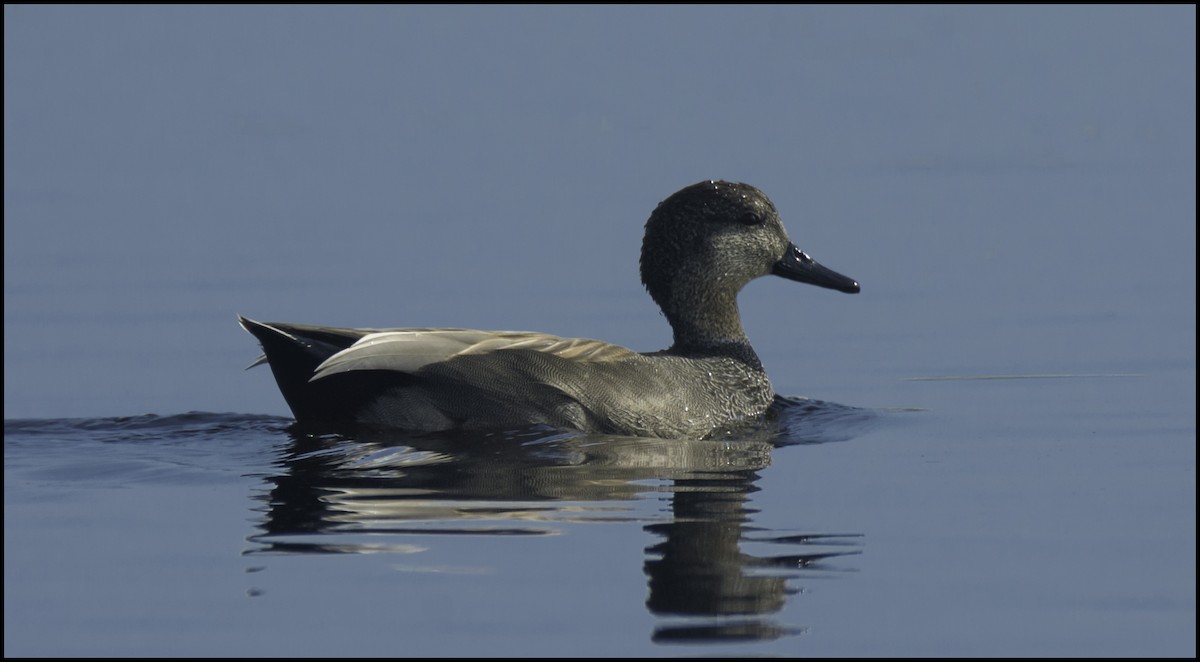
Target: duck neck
column 713, row 327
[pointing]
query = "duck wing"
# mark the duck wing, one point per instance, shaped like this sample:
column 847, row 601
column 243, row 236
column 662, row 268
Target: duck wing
column 411, row 350
column 434, row 379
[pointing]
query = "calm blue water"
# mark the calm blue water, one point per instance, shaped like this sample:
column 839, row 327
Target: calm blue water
column 998, row 457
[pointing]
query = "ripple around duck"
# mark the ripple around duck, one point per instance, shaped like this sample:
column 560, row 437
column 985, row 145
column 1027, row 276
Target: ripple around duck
column 803, row 421
column 126, row 428
column 193, row 447
column 799, row 420
column 168, row 447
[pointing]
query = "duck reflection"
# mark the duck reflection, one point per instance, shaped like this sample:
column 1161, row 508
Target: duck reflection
column 700, row 570
column 336, row 494
column 513, row 483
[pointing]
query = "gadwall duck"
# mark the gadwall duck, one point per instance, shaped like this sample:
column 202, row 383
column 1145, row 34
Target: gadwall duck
column 702, row 245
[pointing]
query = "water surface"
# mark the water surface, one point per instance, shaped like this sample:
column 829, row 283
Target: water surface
column 421, row 510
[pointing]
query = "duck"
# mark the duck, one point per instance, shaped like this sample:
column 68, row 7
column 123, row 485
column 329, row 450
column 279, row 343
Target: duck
column 701, row 246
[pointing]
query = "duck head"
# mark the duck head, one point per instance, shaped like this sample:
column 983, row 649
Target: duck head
column 704, row 244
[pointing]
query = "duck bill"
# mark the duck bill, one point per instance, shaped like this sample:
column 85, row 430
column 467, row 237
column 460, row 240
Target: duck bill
column 798, row 266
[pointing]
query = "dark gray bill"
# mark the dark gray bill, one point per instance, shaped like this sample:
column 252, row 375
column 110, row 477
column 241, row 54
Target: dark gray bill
column 796, row 265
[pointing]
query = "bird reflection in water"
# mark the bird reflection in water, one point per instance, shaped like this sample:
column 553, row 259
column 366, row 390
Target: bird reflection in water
column 699, row 569
column 336, row 494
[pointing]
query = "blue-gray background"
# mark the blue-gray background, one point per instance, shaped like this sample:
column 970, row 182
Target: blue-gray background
column 1014, row 187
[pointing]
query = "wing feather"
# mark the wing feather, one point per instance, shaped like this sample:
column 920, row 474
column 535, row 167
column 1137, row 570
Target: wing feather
column 410, row 350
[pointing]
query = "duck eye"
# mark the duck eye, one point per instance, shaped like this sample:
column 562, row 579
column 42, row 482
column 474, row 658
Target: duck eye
column 750, row 218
